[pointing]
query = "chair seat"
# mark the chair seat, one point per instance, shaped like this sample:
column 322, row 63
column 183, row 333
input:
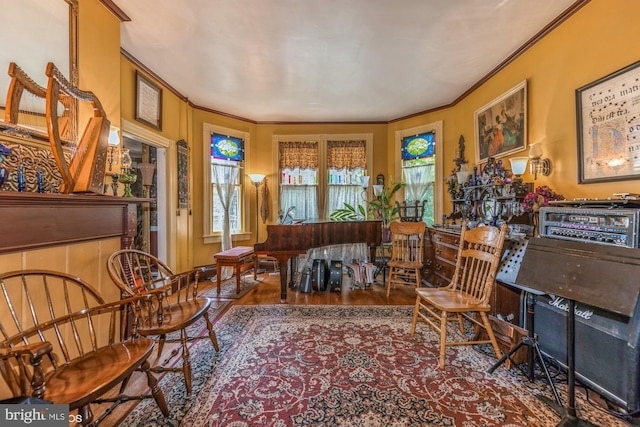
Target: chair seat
column 177, row 316
column 452, row 301
column 86, row 378
column 404, row 264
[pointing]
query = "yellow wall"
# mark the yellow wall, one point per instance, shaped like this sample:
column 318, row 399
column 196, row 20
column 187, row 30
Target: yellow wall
column 589, row 45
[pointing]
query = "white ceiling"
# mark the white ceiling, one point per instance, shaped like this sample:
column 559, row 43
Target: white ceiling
column 328, row 60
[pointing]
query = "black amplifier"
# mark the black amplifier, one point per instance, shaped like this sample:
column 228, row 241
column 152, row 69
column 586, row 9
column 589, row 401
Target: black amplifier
column 607, row 226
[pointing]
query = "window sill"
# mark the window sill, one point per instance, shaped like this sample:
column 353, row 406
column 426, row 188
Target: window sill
column 217, row 238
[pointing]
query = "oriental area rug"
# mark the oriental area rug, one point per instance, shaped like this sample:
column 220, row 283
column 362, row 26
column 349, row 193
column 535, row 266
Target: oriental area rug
column 283, row 365
column 228, row 287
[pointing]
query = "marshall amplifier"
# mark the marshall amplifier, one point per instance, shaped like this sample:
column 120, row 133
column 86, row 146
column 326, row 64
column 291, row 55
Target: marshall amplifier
column 607, row 342
column 607, row 226
column 607, row 353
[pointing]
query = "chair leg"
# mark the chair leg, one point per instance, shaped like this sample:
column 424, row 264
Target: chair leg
column 161, row 341
column 392, row 273
column 86, row 414
column 460, row 323
column 212, row 334
column 443, row 337
column 156, row 391
column 416, row 310
column 492, row 337
column 186, row 363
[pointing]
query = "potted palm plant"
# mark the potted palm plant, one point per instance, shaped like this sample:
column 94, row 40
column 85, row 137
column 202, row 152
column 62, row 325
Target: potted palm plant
column 386, row 207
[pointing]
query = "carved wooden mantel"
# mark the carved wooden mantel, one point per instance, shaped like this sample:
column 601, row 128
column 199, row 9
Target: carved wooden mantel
column 33, row 220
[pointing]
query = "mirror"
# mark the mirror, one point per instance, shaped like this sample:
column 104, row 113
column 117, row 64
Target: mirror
column 38, row 32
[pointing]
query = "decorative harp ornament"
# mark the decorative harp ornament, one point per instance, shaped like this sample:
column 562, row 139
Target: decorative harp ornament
column 66, row 107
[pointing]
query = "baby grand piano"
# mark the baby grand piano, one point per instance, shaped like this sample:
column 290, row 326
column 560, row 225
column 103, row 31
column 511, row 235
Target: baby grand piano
column 290, row 240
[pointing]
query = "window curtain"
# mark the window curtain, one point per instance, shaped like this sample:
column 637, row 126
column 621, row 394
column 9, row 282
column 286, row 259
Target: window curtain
column 225, row 178
column 418, row 179
column 302, row 155
column 301, row 197
column 338, row 195
column 348, row 155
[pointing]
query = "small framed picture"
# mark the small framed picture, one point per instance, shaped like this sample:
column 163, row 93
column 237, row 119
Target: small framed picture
column 148, row 102
column 608, row 115
column 501, row 125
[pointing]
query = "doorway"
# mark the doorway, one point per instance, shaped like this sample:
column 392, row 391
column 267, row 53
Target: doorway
column 148, row 163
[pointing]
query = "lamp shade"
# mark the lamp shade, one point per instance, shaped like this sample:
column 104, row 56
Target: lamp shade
column 377, row 190
column 114, row 136
column 147, row 170
column 519, row 164
column 535, row 150
column 257, row 178
column 364, row 182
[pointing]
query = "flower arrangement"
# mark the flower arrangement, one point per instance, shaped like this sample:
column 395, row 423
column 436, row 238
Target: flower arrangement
column 533, row 201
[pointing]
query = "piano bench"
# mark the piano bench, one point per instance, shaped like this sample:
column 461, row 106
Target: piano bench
column 237, row 258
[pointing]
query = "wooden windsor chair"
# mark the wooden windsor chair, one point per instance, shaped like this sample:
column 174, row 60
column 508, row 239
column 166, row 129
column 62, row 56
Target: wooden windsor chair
column 136, row 272
column 64, row 345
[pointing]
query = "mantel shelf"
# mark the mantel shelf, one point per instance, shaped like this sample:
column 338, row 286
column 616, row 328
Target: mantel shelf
column 38, row 220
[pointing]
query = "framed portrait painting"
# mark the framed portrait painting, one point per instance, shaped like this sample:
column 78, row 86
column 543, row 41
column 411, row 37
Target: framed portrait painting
column 608, row 119
column 501, row 125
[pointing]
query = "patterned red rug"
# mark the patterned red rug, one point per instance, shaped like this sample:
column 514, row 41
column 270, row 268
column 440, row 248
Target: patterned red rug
column 347, row 366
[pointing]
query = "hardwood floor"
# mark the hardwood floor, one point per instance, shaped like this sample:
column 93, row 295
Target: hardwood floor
column 268, row 292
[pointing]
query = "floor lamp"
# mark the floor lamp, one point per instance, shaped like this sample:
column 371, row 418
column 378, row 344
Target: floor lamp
column 257, row 179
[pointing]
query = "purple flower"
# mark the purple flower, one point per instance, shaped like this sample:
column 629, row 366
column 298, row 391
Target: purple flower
column 533, row 201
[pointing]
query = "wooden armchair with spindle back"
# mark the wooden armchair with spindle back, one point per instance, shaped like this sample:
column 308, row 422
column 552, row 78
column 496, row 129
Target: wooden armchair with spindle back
column 137, row 273
column 60, row 342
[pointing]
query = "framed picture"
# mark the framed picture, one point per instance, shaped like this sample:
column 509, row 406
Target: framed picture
column 501, row 125
column 148, row 102
column 608, row 119
column 183, row 174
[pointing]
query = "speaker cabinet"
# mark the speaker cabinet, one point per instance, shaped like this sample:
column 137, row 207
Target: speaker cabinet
column 607, row 354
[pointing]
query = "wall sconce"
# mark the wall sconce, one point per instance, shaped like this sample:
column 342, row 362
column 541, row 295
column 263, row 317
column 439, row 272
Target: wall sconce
column 364, row 182
column 537, row 164
column 380, row 179
column 257, row 179
column 112, row 148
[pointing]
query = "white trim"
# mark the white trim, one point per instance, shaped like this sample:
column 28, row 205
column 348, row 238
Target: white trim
column 167, row 186
column 436, row 127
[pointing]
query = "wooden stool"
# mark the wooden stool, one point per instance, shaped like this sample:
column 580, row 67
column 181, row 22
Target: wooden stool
column 234, row 257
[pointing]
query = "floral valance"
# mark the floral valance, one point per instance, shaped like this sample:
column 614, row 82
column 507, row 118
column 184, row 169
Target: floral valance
column 346, row 154
column 303, row 154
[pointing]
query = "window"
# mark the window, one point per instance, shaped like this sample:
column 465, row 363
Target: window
column 419, row 162
column 347, row 162
column 298, row 162
column 224, row 162
column 319, row 173
column 221, row 175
